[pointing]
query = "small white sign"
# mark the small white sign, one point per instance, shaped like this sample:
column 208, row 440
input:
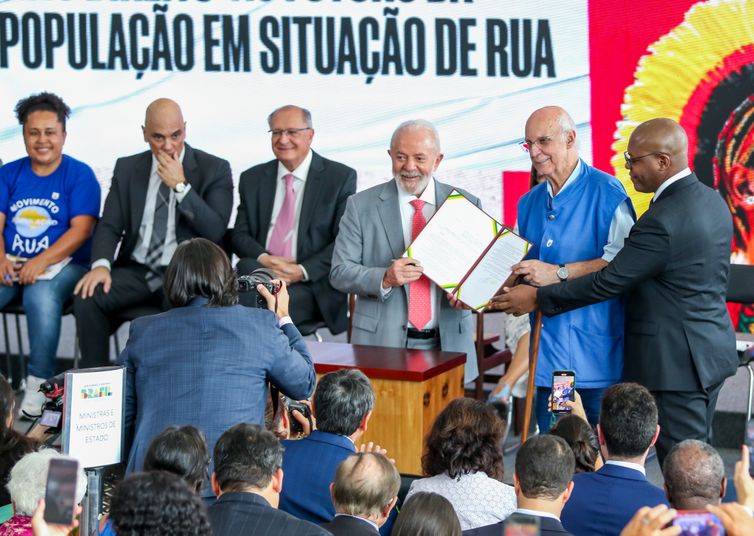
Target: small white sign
column 93, row 415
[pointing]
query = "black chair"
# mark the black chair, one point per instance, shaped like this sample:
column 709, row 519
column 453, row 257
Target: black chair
column 16, row 308
column 127, row 315
column 312, row 327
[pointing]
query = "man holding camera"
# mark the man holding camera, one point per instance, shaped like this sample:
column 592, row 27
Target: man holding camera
column 206, row 362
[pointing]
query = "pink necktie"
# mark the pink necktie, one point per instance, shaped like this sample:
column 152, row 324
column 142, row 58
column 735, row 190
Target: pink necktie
column 419, row 304
column 281, row 239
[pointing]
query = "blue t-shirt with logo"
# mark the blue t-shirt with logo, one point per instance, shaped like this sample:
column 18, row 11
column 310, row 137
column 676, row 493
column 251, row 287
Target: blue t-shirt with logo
column 38, row 210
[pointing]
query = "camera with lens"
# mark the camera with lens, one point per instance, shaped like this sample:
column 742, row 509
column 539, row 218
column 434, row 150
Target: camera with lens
column 296, row 427
column 248, row 284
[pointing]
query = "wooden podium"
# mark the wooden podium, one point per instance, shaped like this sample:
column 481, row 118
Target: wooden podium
column 411, row 388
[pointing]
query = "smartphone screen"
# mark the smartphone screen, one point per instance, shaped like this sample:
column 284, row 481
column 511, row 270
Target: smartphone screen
column 563, row 384
column 50, row 418
column 698, row 523
column 60, row 495
column 521, row 525
column 749, row 440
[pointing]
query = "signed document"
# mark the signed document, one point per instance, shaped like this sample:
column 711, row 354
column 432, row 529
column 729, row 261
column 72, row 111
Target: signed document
column 466, row 251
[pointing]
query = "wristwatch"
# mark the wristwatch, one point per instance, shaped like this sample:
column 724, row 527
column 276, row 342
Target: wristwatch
column 180, row 187
column 562, row 273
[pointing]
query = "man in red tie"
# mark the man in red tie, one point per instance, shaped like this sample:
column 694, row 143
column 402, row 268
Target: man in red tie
column 397, row 305
column 288, row 218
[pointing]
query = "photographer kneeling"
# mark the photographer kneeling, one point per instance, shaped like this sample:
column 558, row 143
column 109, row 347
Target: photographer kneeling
column 207, row 361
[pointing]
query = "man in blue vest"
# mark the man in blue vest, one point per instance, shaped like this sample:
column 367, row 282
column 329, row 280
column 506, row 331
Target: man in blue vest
column 576, row 220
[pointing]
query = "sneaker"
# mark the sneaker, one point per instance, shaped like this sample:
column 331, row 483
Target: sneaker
column 33, row 399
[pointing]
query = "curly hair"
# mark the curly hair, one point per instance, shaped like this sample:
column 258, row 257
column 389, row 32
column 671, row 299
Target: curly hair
column 42, row 102
column 465, row 438
column 582, row 440
column 13, row 445
column 157, row 503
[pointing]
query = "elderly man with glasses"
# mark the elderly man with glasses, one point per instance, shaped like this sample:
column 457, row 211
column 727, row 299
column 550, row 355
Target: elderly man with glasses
column 576, row 219
column 674, row 272
column 289, row 215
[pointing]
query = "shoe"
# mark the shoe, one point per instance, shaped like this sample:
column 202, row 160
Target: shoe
column 33, row 399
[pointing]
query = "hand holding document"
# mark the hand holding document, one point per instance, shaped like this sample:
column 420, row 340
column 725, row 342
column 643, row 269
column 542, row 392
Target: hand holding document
column 466, row 251
column 51, row 271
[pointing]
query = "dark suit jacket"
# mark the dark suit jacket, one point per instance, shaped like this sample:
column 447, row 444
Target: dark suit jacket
column 309, row 466
column 239, row 514
column 547, row 527
column 603, row 502
column 208, row 367
column 204, row 212
column 350, row 526
column 674, row 269
column 328, row 185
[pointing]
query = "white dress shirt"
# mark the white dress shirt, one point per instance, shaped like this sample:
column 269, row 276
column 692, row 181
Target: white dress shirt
column 628, row 465
column 675, row 178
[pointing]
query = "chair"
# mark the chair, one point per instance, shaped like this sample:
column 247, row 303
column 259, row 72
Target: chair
column 487, row 356
column 16, row 308
column 127, row 315
column 311, row 327
column 741, row 290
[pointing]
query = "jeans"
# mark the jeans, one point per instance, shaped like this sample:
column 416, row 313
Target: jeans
column 590, row 399
column 43, row 306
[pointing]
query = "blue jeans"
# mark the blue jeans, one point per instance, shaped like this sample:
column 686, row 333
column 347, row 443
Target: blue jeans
column 43, row 305
column 590, row 398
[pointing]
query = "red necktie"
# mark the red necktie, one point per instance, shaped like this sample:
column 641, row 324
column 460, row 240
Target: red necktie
column 419, row 304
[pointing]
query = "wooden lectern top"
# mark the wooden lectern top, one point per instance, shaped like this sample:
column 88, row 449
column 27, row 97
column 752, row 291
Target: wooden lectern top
column 385, row 363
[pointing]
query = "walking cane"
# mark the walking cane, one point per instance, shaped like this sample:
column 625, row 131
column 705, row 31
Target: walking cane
column 532, row 371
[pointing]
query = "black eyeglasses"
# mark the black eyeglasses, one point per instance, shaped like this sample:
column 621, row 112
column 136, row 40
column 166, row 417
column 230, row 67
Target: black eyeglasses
column 631, row 160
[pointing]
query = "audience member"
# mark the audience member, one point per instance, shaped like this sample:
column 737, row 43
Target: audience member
column 603, row 502
column 181, row 450
column 27, row 484
column 694, row 475
column 463, row 460
column 207, row 361
column 40, row 527
column 577, row 221
column 343, row 404
column 364, row 492
column 427, row 514
column 397, row 305
column 577, row 432
column 49, row 204
column 544, row 469
column 247, row 481
column 157, row 199
column 157, row 503
column 289, row 215
column 13, row 445
column 736, row 520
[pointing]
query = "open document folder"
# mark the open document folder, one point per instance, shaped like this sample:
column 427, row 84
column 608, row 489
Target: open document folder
column 466, row 251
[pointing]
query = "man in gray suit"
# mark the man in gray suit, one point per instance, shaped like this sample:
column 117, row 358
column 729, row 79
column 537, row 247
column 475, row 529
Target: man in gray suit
column 397, row 305
column 157, row 199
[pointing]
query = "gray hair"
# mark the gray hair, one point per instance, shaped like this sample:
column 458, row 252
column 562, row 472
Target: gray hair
column 306, row 113
column 365, row 483
column 28, row 480
column 412, row 125
column 342, row 399
column 693, row 470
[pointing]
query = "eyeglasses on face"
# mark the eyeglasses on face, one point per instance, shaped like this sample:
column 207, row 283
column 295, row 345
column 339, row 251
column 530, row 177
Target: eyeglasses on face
column 290, row 132
column 542, row 142
column 631, row 160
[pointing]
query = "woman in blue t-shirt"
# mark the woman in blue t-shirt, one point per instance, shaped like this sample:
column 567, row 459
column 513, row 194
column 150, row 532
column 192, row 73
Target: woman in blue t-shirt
column 49, row 204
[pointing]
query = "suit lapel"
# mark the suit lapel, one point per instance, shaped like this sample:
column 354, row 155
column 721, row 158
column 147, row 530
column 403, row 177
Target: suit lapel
column 138, row 185
column 312, row 193
column 678, row 185
column 390, row 214
column 265, row 199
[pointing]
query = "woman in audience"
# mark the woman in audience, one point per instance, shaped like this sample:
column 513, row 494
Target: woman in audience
column 49, row 203
column 181, row 450
column 463, row 461
column 583, row 442
column 28, row 480
column 13, row 445
column 157, row 503
column 427, row 514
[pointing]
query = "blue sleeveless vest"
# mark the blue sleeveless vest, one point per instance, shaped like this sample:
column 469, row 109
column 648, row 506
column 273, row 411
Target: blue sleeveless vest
column 573, row 226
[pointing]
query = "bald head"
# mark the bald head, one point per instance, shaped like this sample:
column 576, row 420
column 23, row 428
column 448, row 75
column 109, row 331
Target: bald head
column 164, row 128
column 551, row 139
column 366, row 485
column 694, row 475
column 657, row 150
